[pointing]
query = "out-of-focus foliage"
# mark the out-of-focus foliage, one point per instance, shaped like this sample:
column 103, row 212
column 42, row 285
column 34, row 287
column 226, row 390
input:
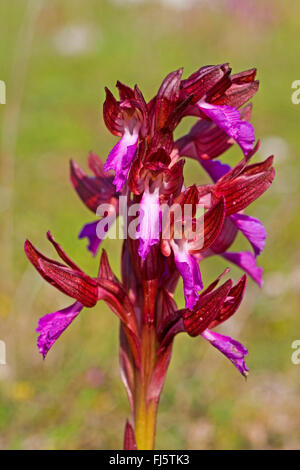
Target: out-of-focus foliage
column 56, row 57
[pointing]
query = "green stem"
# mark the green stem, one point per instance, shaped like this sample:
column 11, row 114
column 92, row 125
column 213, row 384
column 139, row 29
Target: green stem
column 145, row 411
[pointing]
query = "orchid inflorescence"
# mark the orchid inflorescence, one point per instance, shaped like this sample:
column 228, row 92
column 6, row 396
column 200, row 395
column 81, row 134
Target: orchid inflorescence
column 147, row 167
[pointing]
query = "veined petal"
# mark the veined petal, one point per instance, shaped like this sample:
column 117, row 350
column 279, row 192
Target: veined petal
column 52, row 325
column 150, row 222
column 93, row 190
column 204, row 79
column 70, row 280
column 76, row 284
column 231, row 348
column 246, row 261
column 229, row 120
column 232, row 302
column 121, row 156
column 206, row 309
column 253, row 230
column 190, row 273
column 213, row 221
column 89, row 231
column 226, row 237
column 166, row 98
column 206, row 140
column 241, row 188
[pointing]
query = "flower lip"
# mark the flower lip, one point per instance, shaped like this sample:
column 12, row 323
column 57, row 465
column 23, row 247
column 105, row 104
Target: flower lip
column 150, row 221
column 231, row 348
column 52, row 325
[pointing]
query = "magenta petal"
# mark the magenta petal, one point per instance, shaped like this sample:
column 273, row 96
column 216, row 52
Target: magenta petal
column 231, row 348
column 253, row 230
column 52, row 325
column 120, row 158
column 89, row 231
column 215, row 169
column 229, row 120
column 190, row 273
column 150, row 222
column 246, row 261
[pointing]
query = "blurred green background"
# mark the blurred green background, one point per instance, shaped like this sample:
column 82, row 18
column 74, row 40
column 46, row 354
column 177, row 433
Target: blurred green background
column 56, row 56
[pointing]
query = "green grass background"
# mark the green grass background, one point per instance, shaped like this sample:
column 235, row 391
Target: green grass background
column 75, row 398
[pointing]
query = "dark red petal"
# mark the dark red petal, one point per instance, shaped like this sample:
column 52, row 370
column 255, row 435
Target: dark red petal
column 212, row 225
column 125, row 92
column 215, row 282
column 188, row 196
column 135, row 181
column 219, row 89
column 142, row 106
column 105, row 271
column 174, row 329
column 206, row 140
column 34, row 256
column 76, row 284
column 246, row 76
column 162, row 138
column 166, row 98
column 256, row 168
column 165, row 311
column 62, row 254
column 206, row 310
column 180, row 110
column 149, row 269
column 225, row 238
column 232, row 303
column 243, row 190
column 239, row 168
column 129, row 278
column 112, row 115
column 129, row 439
column 93, row 191
column 200, row 82
column 114, row 294
column 172, row 180
column 236, row 95
column 96, row 165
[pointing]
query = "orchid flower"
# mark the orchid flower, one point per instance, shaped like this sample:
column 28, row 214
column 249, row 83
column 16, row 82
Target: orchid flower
column 146, row 168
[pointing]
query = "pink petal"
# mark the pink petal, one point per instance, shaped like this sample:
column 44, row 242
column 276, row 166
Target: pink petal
column 246, row 261
column 89, row 231
column 121, row 156
column 52, row 325
column 253, row 230
column 215, row 169
column 231, row 348
column 150, row 222
column 229, row 120
column 190, row 273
